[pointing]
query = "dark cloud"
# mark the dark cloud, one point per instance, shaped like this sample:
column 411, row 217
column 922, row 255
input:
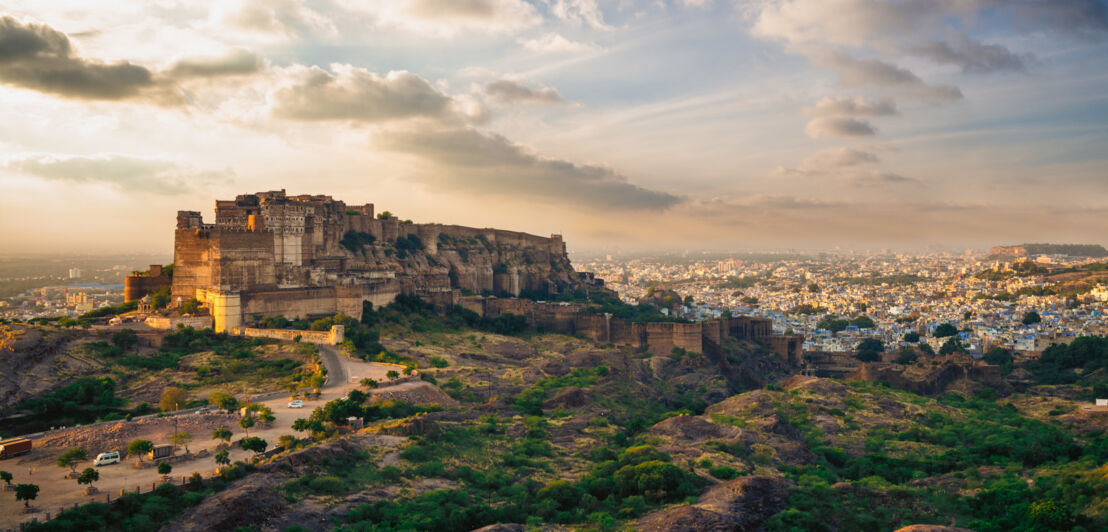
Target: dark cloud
column 122, row 171
column 37, row 57
column 1063, row 16
column 478, row 9
column 40, row 58
column 852, row 106
column 854, row 72
column 509, row 91
column 972, row 56
column 237, row 62
column 359, row 95
column 838, row 126
column 466, row 160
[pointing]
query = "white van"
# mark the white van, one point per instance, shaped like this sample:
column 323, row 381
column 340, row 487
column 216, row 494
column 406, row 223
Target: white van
column 108, row 458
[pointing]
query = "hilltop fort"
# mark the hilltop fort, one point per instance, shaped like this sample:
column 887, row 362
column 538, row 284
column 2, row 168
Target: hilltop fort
column 270, row 254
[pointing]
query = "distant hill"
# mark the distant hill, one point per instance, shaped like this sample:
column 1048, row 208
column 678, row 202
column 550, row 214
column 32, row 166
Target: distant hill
column 1032, row 250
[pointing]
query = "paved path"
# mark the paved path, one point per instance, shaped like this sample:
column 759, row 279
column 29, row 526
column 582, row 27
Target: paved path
column 57, row 492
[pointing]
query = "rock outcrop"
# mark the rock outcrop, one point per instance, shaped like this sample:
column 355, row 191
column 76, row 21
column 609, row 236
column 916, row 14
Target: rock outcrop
column 741, row 505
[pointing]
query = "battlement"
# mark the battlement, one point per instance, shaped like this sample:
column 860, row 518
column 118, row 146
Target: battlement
column 268, row 242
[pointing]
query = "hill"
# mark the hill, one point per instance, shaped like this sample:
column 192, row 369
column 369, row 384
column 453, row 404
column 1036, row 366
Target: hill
column 1032, row 250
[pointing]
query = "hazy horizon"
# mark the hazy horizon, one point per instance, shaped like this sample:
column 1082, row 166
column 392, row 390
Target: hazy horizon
column 681, row 125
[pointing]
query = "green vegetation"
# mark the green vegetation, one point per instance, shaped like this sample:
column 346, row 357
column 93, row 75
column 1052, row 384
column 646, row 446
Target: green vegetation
column 82, row 401
column 103, row 312
column 1031, row 317
column 1085, row 360
column 135, row 512
column 870, row 349
column 355, row 241
column 835, row 325
column 945, row 329
column 1041, row 477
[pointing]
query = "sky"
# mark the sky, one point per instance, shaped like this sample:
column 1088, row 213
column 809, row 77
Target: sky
column 623, row 125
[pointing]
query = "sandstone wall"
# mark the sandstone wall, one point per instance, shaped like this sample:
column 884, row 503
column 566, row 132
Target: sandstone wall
column 333, row 337
column 138, row 286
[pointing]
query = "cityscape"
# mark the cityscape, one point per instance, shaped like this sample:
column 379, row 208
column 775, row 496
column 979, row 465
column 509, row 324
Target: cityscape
column 554, row 265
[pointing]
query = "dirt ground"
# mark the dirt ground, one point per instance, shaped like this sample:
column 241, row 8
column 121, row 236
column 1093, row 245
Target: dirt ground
column 57, row 492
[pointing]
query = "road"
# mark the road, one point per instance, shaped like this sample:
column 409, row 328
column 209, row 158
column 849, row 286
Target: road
column 57, row 492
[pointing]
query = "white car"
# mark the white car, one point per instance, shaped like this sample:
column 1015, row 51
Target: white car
column 296, row 404
column 104, row 459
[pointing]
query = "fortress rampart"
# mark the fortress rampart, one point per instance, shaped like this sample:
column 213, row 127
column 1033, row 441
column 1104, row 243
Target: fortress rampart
column 269, row 253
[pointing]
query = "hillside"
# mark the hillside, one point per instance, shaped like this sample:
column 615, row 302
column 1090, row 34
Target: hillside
column 55, row 376
column 551, row 430
column 1033, row 250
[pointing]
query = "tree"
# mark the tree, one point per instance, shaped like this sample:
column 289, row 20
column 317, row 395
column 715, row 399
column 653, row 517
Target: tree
column 72, row 457
column 191, row 306
column 316, row 382
column 287, row 441
column 952, row 345
column 6, row 477
column 392, row 374
column 172, row 398
column 369, row 383
column 223, row 400
column 911, row 337
column 223, row 458
column 998, row 356
column 1032, row 317
column 222, row 433
column 300, row 425
column 255, row 444
column 870, row 349
column 926, row 348
column 182, row 439
column 125, row 339
column 945, row 329
column 139, row 448
column 26, row 493
column 88, row 476
column 246, row 422
column 164, row 468
column 907, row 356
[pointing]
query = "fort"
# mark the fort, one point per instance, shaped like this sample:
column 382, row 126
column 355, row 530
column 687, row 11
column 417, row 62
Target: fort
column 271, row 254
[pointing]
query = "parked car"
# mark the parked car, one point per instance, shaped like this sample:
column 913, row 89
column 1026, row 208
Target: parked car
column 297, row 403
column 108, row 458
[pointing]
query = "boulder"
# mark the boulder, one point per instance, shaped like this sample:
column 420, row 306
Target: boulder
column 569, row 397
column 502, row 527
column 931, row 528
column 739, row 505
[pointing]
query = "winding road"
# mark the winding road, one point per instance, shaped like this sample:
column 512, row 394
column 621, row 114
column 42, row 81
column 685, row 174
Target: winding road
column 56, row 493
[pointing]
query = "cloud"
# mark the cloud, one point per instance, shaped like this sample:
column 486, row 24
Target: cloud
column 448, row 17
column 125, row 172
column 880, row 178
column 852, row 106
column 37, row 57
column 284, row 18
column 237, row 62
column 854, row 72
column 509, row 91
column 822, row 127
column 466, row 160
column 555, row 43
column 358, row 95
column 580, row 12
column 837, row 158
column 971, row 55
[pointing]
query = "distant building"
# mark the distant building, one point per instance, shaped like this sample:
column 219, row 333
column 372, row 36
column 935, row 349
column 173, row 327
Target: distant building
column 74, row 273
